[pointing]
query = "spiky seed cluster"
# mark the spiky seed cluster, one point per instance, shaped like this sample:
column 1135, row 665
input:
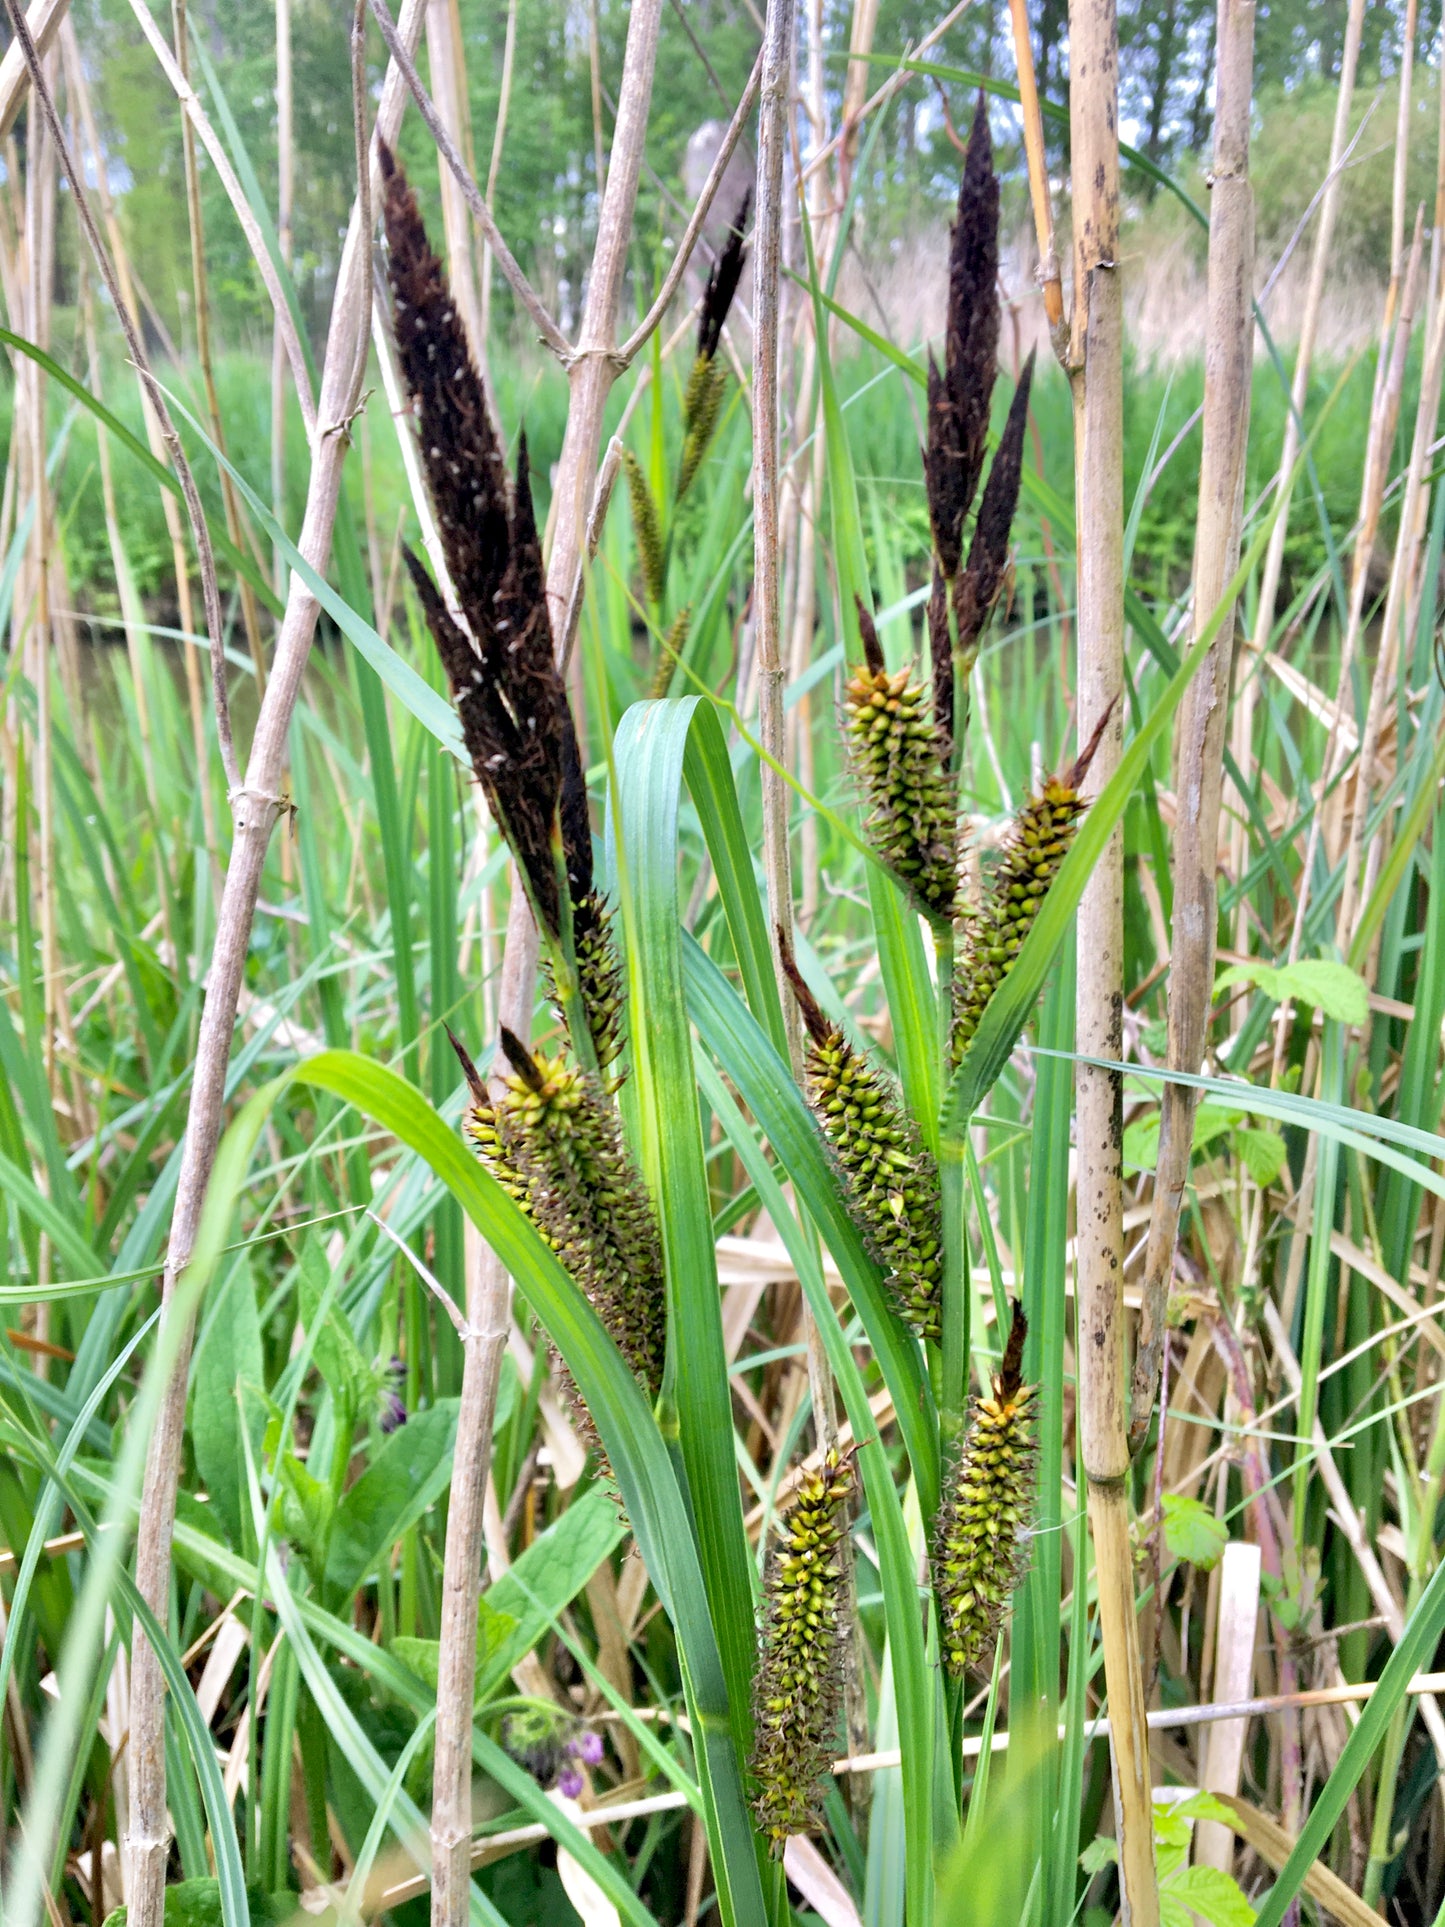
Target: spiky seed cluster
column 891, row 1179
column 800, row 1666
column 554, row 1143
column 980, row 1549
column 1037, row 844
column 707, row 379
column 646, row 527
column 509, row 692
column 902, row 764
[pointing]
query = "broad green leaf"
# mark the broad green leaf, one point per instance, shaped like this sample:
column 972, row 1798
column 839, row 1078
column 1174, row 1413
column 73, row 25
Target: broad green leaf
column 197, row 1903
column 1206, row 1893
column 494, row 1633
column 546, row 1579
column 1331, row 988
column 1100, row 1853
column 407, row 1475
column 229, row 1371
column 1265, row 1154
column 349, row 1378
column 1192, row 1532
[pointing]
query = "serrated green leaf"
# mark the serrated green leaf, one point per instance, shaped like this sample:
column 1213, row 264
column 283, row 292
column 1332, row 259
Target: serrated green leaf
column 1100, row 1853
column 1333, row 989
column 1211, row 1894
column 1265, row 1153
column 1192, row 1532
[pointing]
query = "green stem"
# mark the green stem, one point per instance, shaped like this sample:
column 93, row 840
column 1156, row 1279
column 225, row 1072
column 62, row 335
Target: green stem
column 951, row 1379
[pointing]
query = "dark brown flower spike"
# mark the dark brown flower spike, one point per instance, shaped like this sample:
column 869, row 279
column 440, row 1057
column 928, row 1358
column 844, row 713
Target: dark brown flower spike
column 960, row 393
column 722, row 282
column 459, row 445
column 502, row 665
column 977, row 588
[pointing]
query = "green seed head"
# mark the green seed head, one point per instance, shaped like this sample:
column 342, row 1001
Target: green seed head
column 980, row 1540
column 799, row 1679
column 901, row 761
column 701, row 405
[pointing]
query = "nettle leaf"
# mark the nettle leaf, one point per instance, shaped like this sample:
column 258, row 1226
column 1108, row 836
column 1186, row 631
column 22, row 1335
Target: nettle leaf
column 1333, row 989
column 1264, row 1152
column 1191, row 1531
column 1204, row 1893
column 1100, row 1853
column 1141, row 1139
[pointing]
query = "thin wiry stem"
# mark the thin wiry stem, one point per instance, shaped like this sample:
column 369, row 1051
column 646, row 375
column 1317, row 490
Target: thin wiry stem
column 221, row 161
column 257, row 804
column 451, row 154
column 201, row 535
column 1199, row 782
column 675, row 272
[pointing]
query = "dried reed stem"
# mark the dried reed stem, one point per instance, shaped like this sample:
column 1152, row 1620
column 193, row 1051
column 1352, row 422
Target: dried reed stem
column 257, row 803
column 494, row 168
column 1199, row 752
column 285, row 201
column 1038, row 169
column 43, row 18
column 1097, row 366
column 592, row 369
column 1242, row 737
column 236, row 194
column 200, row 534
column 547, row 328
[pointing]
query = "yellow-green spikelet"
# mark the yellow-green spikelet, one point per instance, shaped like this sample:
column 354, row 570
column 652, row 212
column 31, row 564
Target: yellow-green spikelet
column 1037, row 845
column 701, row 404
column 979, row 1545
column 799, row 1680
column 646, row 527
column 901, row 760
column 891, row 1178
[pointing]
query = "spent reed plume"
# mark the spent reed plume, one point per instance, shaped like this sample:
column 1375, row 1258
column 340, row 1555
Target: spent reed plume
column 799, row 1682
column 889, row 1177
column 980, row 1545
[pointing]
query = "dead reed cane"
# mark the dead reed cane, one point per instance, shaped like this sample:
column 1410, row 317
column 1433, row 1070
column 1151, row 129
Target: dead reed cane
column 256, row 803
column 1097, row 370
column 1199, row 777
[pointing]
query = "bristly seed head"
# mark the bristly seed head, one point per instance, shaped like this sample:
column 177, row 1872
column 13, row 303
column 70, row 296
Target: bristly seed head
column 1037, row 844
column 901, row 760
column 646, row 528
column 554, row 1142
column 980, row 1543
column 799, row 1680
column 890, row 1179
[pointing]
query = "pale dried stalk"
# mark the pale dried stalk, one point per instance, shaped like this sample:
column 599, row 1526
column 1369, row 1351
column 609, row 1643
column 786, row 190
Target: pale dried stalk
column 547, row 328
column 446, row 58
column 499, row 136
column 194, row 512
column 235, row 193
column 285, row 200
column 256, row 805
column 1097, row 368
column 43, row 19
column 249, row 617
column 80, row 97
column 1399, row 181
column 592, row 369
column 1199, row 747
column 1384, row 419
column 1038, row 170
column 1401, row 607
column 1243, row 730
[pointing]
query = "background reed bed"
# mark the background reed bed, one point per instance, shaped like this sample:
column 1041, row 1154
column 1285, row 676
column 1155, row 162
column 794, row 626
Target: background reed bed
column 749, row 1220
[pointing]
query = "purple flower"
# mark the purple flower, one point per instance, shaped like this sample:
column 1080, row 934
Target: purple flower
column 569, row 1782
column 588, row 1748
column 393, row 1406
